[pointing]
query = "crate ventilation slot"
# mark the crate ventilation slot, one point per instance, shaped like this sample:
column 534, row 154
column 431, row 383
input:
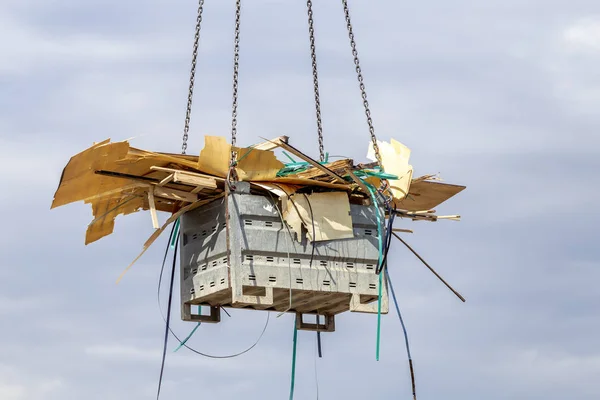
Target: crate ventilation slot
column 297, row 261
column 370, row 266
column 251, row 277
column 372, row 286
column 192, row 291
column 270, row 259
column 273, row 279
column 247, row 222
column 352, row 284
column 350, row 265
column 223, row 281
column 212, row 284
column 249, row 257
column 203, row 267
column 194, row 271
column 368, row 232
column 323, row 263
column 326, row 283
column 269, row 223
column 299, row 281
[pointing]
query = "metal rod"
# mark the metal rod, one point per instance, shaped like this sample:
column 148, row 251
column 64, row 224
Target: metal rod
column 431, row 269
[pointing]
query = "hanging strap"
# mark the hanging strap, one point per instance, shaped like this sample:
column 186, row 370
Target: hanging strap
column 293, row 379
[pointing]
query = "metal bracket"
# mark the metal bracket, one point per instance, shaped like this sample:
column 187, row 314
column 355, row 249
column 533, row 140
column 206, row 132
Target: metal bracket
column 213, row 318
column 329, row 325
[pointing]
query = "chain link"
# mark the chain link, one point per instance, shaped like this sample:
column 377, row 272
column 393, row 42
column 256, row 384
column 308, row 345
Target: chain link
column 361, row 83
column 313, row 54
column 236, row 67
column 188, row 111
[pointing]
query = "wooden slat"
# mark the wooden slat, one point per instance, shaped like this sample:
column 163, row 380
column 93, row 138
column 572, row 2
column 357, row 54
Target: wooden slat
column 192, row 180
column 152, row 206
column 173, row 194
column 270, row 144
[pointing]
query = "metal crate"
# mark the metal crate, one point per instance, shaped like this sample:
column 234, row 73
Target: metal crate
column 341, row 276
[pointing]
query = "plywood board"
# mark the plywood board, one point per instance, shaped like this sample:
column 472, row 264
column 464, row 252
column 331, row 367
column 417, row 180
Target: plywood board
column 426, row 195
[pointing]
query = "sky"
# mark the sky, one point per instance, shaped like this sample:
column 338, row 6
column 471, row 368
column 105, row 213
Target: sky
column 501, row 96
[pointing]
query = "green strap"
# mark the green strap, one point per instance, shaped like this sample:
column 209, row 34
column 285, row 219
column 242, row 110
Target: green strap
column 187, row 338
column 294, row 362
column 175, row 233
column 380, row 243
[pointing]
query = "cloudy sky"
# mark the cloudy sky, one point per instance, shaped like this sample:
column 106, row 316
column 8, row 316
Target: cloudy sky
column 499, row 95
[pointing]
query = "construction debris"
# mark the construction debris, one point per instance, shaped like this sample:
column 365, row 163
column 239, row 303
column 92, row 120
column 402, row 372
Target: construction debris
column 116, row 179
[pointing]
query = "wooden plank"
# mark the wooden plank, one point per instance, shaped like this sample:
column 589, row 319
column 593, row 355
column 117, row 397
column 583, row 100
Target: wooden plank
column 359, row 182
column 166, row 180
column 192, row 180
column 270, row 144
column 173, row 194
column 339, row 167
column 402, row 230
column 152, row 206
column 309, row 160
column 171, row 170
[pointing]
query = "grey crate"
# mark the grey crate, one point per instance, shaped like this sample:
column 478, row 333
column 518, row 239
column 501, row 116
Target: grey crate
column 340, row 278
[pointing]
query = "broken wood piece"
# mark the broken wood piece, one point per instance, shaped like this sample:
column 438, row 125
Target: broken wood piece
column 192, row 180
column 270, row 144
column 173, row 194
column 152, row 206
column 450, row 217
column 338, row 167
column 309, row 160
column 172, row 170
column 157, row 233
column 402, row 230
column 166, row 180
column 359, row 182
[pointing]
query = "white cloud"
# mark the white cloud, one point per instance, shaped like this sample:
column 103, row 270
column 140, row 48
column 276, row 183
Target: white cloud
column 584, row 35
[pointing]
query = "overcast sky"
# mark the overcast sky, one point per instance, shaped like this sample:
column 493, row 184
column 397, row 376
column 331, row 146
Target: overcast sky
column 499, row 95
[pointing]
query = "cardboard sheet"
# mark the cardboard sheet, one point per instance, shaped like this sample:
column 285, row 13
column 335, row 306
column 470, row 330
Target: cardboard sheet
column 395, row 157
column 330, row 212
column 426, row 195
column 253, row 165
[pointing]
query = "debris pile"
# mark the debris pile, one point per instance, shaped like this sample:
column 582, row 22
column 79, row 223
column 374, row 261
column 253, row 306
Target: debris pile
column 116, row 179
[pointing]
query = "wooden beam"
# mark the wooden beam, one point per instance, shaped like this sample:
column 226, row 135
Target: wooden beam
column 192, row 180
column 171, row 170
column 309, row 160
column 270, row 144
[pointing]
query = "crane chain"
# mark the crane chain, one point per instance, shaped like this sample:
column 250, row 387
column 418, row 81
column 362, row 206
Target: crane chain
column 361, row 83
column 188, row 111
column 313, row 54
column 236, row 67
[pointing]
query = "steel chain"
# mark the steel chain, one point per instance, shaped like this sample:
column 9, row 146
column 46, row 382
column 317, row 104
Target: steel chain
column 236, row 67
column 311, row 31
column 361, row 83
column 188, row 111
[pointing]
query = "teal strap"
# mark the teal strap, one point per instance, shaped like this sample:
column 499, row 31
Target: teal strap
column 175, row 233
column 187, row 338
column 293, row 381
column 380, row 243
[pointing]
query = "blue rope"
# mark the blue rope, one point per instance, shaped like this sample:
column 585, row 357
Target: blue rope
column 410, row 363
column 387, row 275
